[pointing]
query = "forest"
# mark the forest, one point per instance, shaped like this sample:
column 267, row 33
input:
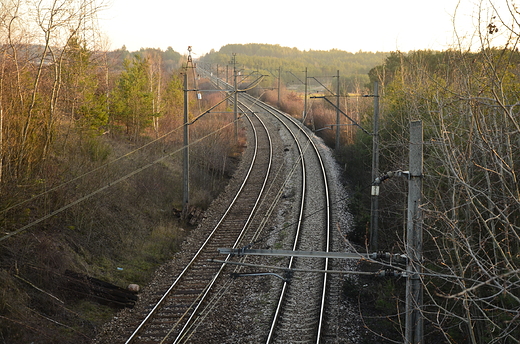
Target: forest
column 467, row 102
column 269, row 59
column 91, row 171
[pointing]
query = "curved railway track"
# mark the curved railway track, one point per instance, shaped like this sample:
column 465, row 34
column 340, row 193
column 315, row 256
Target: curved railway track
column 168, row 318
column 300, row 310
column 199, row 303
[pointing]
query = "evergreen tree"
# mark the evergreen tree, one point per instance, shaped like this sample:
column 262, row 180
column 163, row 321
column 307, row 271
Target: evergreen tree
column 84, row 104
column 132, row 101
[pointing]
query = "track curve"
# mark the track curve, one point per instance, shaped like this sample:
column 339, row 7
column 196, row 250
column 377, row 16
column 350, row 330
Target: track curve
column 299, row 314
column 170, row 315
column 294, row 311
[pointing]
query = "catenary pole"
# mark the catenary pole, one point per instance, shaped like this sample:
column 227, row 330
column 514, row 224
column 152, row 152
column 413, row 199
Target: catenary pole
column 186, row 154
column 414, row 238
column 235, row 98
column 305, row 98
column 279, row 84
column 338, row 131
column 374, row 200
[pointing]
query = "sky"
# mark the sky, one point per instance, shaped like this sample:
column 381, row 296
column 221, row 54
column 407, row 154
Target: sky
column 350, row 25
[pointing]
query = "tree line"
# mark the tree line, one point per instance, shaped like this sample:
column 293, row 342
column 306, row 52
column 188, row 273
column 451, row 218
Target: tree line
column 74, row 118
column 268, row 58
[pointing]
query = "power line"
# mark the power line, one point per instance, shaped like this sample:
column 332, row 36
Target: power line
column 90, row 172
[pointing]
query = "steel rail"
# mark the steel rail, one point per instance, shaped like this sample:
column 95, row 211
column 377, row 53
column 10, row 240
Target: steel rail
column 327, row 234
column 285, row 285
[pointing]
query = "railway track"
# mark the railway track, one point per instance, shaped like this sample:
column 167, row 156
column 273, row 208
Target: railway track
column 201, row 303
column 300, row 310
column 169, row 316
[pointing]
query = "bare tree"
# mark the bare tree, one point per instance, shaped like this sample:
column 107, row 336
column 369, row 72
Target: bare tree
column 37, row 34
column 469, row 104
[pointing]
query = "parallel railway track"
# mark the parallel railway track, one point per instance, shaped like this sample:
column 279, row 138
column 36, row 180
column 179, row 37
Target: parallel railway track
column 185, row 308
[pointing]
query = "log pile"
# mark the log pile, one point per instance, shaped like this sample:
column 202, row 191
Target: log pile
column 100, row 291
